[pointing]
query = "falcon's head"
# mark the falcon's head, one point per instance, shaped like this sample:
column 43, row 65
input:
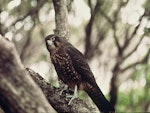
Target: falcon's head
column 54, row 42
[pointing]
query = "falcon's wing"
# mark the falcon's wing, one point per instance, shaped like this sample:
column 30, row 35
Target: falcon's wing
column 80, row 64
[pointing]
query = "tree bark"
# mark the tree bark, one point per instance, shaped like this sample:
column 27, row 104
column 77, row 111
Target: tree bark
column 61, row 18
column 59, row 100
column 18, row 92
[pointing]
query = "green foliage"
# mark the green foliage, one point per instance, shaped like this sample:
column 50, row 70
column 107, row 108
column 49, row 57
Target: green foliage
column 123, row 102
column 134, row 100
column 137, row 73
column 131, row 101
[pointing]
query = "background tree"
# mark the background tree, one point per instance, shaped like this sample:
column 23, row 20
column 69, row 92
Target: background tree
column 116, row 47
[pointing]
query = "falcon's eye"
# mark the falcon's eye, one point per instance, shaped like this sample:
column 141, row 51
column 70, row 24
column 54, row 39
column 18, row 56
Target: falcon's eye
column 53, row 39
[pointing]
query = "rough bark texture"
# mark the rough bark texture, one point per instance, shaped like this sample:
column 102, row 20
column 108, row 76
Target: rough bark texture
column 61, row 18
column 60, row 101
column 18, row 92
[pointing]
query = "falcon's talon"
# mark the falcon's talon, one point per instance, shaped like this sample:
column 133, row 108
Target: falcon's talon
column 63, row 90
column 66, row 91
column 74, row 95
column 69, row 96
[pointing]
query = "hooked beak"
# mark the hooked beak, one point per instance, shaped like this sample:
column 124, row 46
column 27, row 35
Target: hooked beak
column 50, row 44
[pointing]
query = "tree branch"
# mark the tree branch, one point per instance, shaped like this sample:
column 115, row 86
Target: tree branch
column 128, row 39
column 25, row 46
column 115, row 19
column 144, row 60
column 117, row 41
column 113, row 25
column 117, row 11
column 32, row 12
column 106, row 17
column 61, row 18
column 88, row 29
column 1, row 30
column 90, row 6
column 134, row 49
column 17, row 89
column 60, row 101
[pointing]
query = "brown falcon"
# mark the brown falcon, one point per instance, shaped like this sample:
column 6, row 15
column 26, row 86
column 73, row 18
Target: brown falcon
column 72, row 68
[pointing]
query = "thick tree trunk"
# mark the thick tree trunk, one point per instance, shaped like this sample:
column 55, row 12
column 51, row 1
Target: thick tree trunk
column 61, row 18
column 18, row 92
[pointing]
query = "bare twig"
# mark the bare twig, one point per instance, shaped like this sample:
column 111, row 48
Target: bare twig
column 128, row 39
column 134, row 49
column 117, row 41
column 110, row 21
column 88, row 29
column 117, row 11
column 100, row 37
column 115, row 19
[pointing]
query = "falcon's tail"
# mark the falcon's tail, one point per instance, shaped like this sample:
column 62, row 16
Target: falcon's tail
column 99, row 99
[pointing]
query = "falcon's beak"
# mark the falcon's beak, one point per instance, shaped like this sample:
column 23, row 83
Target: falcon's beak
column 51, row 43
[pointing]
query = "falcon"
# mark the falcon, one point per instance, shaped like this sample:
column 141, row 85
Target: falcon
column 72, row 68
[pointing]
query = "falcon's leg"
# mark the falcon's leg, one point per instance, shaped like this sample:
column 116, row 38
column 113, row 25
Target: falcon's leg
column 74, row 95
column 63, row 89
